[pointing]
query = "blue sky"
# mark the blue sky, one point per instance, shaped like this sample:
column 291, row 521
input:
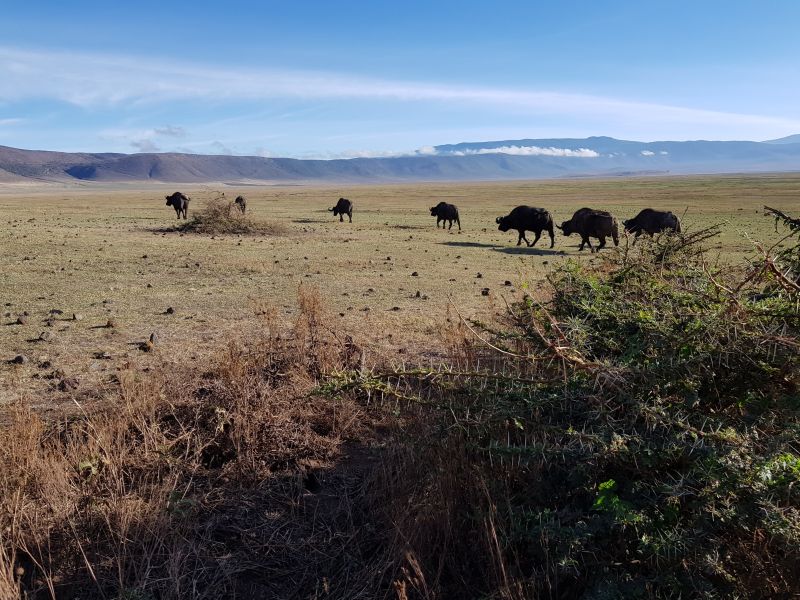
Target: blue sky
column 337, row 79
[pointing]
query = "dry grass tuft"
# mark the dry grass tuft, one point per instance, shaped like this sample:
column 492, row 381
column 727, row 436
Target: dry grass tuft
column 220, row 216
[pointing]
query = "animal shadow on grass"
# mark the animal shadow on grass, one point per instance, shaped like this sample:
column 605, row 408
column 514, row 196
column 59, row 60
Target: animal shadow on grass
column 524, row 250
column 169, row 229
column 311, row 220
column 470, row 245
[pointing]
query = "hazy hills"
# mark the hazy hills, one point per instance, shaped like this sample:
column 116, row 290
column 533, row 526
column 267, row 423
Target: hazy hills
column 506, row 159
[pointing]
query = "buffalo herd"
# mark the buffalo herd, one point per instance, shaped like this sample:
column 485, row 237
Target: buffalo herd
column 587, row 223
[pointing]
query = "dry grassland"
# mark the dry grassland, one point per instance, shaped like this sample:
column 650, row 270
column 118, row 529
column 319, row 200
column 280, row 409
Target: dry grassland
column 390, row 278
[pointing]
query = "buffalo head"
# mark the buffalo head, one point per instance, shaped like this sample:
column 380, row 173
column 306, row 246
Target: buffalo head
column 503, row 223
column 566, row 227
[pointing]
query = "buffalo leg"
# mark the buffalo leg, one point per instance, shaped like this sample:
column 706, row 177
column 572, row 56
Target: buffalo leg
column 451, row 225
column 459, row 223
column 350, row 216
column 536, row 238
column 341, row 218
column 552, row 238
column 602, row 243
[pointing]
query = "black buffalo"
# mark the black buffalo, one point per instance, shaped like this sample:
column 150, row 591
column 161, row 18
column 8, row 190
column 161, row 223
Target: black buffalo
column 445, row 212
column 241, row 203
column 180, row 203
column 528, row 218
column 343, row 207
column 652, row 221
column 589, row 223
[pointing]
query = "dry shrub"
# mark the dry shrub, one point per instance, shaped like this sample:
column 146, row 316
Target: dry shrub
column 220, row 216
column 193, row 483
column 633, row 437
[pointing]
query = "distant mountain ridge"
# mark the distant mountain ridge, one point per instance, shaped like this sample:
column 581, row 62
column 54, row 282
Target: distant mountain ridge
column 789, row 139
column 468, row 161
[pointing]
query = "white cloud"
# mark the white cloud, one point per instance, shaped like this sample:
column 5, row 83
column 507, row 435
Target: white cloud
column 663, row 153
column 145, row 145
column 7, row 122
column 91, row 80
column 530, row 151
column 170, row 131
column 425, row 151
column 648, row 153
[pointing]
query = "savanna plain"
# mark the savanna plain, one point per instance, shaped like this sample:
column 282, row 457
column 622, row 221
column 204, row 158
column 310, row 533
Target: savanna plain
column 387, row 409
column 390, row 278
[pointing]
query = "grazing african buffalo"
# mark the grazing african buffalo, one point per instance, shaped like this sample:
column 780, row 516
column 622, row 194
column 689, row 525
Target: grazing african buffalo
column 528, row 218
column 343, row 207
column 651, row 221
column 179, row 202
column 587, row 223
column 445, row 212
column 241, row 203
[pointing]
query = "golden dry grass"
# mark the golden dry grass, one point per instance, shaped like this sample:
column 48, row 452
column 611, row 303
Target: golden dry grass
column 112, row 253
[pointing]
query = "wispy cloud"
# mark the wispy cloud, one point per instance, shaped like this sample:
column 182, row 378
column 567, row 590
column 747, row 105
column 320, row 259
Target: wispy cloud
column 7, row 122
column 144, row 140
column 170, row 131
column 145, row 145
column 530, row 151
column 89, row 80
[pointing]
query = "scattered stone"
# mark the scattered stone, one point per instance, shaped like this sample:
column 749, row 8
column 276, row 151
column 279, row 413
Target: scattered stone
column 149, row 285
column 479, row 276
column 415, row 274
column 102, row 355
column 146, row 346
column 111, row 324
column 144, row 255
column 56, row 311
column 507, row 282
column 107, row 301
column 77, row 317
column 170, row 311
column 485, row 292
column 46, row 336
column 45, row 364
column 154, row 338
column 395, row 308
column 22, row 320
column 49, row 322
column 418, row 294
column 68, row 384
column 545, row 262
column 19, row 359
